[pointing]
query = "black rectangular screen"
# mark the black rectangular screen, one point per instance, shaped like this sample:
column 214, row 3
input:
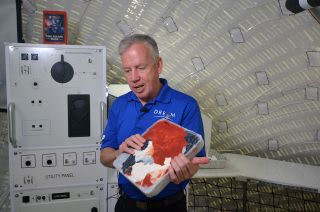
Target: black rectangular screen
column 78, row 115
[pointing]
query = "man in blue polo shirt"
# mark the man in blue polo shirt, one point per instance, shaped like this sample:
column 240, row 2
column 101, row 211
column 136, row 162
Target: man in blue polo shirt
column 131, row 114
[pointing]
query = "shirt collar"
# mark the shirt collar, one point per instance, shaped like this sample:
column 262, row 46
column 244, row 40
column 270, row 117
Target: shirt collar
column 164, row 95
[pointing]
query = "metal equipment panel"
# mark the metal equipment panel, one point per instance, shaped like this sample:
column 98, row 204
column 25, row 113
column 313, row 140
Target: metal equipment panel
column 56, row 96
column 82, row 199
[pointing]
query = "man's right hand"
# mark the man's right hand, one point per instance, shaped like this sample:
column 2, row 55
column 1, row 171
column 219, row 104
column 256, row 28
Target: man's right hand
column 133, row 142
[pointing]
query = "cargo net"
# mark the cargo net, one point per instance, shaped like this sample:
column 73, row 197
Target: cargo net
column 4, row 161
column 229, row 194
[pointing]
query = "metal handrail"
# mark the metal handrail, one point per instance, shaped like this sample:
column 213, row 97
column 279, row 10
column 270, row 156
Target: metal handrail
column 11, row 124
column 102, row 117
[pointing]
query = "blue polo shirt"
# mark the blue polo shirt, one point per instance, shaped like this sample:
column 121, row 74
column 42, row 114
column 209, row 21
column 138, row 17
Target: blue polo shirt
column 127, row 117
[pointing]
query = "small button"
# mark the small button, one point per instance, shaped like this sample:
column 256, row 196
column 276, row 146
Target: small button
column 34, row 56
column 25, row 199
column 24, row 56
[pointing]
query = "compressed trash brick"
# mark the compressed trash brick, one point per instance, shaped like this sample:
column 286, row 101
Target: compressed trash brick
column 147, row 168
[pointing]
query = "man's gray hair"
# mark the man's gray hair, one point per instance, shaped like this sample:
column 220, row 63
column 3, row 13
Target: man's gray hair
column 127, row 41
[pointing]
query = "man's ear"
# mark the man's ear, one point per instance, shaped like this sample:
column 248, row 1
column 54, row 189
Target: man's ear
column 159, row 65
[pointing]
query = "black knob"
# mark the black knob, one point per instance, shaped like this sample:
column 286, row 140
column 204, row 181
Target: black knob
column 94, row 209
column 62, row 71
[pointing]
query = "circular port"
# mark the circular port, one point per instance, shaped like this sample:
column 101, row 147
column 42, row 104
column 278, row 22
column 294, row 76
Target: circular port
column 28, row 163
column 49, row 162
column 94, row 209
column 35, row 84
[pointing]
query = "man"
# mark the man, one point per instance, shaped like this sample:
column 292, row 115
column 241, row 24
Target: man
column 130, row 115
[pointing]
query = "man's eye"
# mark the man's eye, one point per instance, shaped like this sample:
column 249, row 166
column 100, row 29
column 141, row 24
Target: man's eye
column 141, row 67
column 126, row 70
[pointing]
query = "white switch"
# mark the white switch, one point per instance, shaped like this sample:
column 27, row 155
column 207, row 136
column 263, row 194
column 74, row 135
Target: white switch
column 273, row 145
column 236, row 35
column 70, row 159
column 262, row 78
column 223, row 126
column 314, row 58
column 263, row 108
column 198, row 63
column 312, row 93
column 221, row 100
column 89, row 158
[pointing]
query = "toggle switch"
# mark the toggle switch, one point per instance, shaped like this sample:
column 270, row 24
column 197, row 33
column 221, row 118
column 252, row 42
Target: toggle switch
column 70, row 159
column 89, row 158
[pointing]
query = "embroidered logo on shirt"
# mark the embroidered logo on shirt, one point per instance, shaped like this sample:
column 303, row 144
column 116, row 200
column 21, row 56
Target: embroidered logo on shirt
column 164, row 114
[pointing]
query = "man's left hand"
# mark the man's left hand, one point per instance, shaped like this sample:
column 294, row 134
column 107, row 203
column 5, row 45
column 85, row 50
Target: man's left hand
column 183, row 168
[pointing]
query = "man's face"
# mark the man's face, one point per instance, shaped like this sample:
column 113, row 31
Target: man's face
column 141, row 71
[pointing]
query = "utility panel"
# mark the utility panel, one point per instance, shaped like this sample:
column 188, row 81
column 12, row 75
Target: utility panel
column 56, row 97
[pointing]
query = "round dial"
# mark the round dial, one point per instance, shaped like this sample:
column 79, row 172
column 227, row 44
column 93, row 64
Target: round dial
column 62, row 71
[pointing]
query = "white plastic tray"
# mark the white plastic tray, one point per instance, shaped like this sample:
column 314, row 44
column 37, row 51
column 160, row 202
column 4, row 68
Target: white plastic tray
column 125, row 161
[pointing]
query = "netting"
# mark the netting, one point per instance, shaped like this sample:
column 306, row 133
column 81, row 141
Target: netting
column 229, row 194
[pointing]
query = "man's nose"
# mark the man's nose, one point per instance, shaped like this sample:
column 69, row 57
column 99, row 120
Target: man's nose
column 134, row 75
